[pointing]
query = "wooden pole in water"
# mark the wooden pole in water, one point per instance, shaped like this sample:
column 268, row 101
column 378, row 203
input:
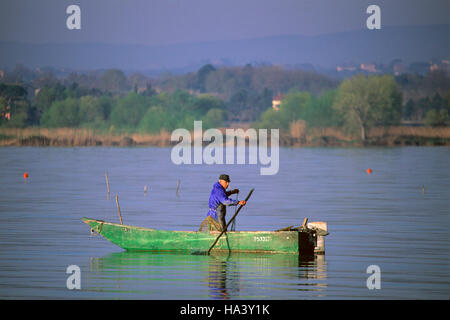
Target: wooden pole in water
column 118, row 208
column 178, row 187
column 107, row 182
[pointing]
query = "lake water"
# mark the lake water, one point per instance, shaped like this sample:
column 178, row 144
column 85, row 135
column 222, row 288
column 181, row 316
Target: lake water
column 382, row 219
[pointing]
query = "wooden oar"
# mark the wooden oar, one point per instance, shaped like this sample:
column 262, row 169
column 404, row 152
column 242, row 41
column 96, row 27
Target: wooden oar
column 229, row 222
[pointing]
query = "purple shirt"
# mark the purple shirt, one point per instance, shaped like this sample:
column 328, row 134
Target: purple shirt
column 218, row 196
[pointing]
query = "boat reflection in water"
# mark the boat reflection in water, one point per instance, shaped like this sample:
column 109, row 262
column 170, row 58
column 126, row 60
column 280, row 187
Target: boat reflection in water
column 250, row 275
column 146, row 275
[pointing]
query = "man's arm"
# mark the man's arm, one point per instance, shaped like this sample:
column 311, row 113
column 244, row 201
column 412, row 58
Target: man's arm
column 230, row 202
column 229, row 193
column 223, row 198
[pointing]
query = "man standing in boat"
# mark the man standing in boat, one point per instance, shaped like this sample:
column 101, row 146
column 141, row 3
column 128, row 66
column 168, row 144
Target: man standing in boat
column 218, row 200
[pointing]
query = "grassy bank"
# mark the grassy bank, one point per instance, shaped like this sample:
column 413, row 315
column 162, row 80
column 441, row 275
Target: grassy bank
column 78, row 137
column 297, row 136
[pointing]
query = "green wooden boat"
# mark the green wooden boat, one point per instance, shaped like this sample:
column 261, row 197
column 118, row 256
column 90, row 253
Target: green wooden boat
column 144, row 239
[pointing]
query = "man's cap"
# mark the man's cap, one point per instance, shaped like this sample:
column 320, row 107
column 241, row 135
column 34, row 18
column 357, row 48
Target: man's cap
column 224, row 177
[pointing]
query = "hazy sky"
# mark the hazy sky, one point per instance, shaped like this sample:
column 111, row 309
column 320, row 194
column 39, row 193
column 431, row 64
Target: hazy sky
column 175, row 21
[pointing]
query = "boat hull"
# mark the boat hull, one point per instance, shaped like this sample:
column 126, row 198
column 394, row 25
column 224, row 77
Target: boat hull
column 144, row 239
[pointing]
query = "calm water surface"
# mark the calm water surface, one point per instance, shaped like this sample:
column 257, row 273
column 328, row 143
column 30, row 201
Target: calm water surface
column 381, row 219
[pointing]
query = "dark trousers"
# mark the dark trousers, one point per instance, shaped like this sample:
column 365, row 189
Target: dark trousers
column 221, row 213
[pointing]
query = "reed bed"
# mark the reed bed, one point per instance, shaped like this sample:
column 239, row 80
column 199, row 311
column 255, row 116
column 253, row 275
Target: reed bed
column 427, row 132
column 297, row 135
column 79, row 137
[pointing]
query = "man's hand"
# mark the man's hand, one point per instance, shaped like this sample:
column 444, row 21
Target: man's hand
column 242, row 202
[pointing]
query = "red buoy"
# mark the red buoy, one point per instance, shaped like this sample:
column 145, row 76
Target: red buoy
column 369, row 171
column 25, row 175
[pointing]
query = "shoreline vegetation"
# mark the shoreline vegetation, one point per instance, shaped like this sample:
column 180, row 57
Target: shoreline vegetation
column 297, row 136
column 309, row 109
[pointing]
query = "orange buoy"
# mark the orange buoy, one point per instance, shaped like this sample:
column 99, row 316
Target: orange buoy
column 25, row 175
column 369, row 171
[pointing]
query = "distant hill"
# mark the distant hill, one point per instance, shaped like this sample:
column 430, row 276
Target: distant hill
column 409, row 43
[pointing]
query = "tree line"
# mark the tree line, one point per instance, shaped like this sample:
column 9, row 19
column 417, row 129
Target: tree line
column 132, row 112
column 110, row 100
column 358, row 104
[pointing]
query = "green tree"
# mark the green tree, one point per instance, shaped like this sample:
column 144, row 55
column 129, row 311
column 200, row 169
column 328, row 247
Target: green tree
column 366, row 101
column 154, row 120
column 203, row 103
column 159, row 118
column 435, row 118
column 64, row 113
column 129, row 110
column 215, row 118
column 94, row 110
column 47, row 95
column 270, row 119
column 319, row 111
column 293, row 106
